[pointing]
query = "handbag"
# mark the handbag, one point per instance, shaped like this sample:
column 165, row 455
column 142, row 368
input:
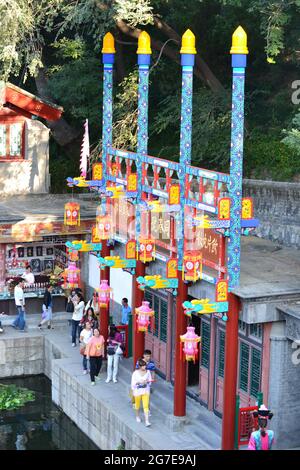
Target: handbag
column 82, row 349
column 111, row 350
column 70, row 307
column 119, row 350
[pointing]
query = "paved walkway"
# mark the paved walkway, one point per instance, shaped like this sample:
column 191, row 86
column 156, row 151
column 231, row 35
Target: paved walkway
column 201, row 431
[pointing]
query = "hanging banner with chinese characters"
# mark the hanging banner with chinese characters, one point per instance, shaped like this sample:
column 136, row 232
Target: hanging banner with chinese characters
column 172, row 268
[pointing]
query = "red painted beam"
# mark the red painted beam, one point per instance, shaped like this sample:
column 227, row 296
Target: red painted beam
column 31, row 104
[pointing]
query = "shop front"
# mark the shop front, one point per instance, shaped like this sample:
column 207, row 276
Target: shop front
column 42, row 246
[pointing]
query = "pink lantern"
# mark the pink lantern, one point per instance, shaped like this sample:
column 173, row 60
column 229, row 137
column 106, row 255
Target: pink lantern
column 72, row 275
column 104, row 294
column 144, row 313
column 190, row 344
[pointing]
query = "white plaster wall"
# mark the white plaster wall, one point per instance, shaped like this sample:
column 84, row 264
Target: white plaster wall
column 121, row 282
column 32, row 174
column 94, row 272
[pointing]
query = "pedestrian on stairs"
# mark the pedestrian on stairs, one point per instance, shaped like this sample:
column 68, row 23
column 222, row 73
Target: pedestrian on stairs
column 140, row 385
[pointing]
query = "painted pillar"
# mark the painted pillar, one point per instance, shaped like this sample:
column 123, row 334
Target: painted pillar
column 230, row 373
column 239, row 53
column 144, row 57
column 108, row 58
column 188, row 52
column 138, row 297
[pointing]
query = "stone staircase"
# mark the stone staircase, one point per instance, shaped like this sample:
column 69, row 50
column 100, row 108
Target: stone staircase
column 59, row 321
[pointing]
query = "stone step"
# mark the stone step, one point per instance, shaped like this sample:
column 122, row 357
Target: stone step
column 59, row 320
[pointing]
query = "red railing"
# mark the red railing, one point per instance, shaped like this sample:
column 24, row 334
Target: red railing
column 247, row 424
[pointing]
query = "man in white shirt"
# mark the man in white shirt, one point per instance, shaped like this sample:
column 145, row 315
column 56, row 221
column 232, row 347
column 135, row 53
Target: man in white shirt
column 28, row 276
column 19, row 322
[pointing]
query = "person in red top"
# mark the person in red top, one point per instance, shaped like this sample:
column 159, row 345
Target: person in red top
column 94, row 353
column 114, row 352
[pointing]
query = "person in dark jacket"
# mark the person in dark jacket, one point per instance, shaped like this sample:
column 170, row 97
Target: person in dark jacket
column 47, row 308
column 89, row 317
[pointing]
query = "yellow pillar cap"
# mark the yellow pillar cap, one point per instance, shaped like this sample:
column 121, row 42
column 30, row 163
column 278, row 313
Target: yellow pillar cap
column 239, row 42
column 108, row 44
column 144, row 43
column 188, row 43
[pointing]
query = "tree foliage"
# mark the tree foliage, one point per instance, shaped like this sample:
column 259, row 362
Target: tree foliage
column 65, row 37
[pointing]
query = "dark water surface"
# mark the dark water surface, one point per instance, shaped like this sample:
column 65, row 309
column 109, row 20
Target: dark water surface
column 39, row 425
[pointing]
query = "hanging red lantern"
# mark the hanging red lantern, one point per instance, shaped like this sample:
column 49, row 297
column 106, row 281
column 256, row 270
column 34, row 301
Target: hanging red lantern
column 144, row 314
column 104, row 226
column 72, row 213
column 190, row 344
column 147, row 250
column 104, row 294
column 71, row 276
column 192, row 265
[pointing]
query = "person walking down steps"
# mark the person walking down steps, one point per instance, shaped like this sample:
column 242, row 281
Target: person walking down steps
column 114, row 352
column 140, row 385
column 94, row 353
column 47, row 308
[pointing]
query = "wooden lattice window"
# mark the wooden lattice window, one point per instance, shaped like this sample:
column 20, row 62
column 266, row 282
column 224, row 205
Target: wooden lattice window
column 221, row 353
column 160, row 307
column 255, row 372
column 250, row 369
column 205, row 344
column 11, row 141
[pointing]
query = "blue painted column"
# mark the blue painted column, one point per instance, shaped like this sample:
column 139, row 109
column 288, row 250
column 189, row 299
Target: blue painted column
column 239, row 53
column 188, row 52
column 239, row 50
column 108, row 59
column 144, row 57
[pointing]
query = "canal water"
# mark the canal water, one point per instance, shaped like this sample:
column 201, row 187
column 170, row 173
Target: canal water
column 39, row 425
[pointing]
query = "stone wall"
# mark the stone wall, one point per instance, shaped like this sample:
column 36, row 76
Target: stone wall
column 21, row 356
column 284, row 389
column 277, row 206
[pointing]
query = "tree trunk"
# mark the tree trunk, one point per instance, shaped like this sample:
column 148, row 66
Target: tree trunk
column 65, row 135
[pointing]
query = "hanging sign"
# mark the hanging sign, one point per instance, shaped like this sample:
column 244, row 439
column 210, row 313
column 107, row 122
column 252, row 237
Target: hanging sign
column 132, row 183
column 247, row 208
column 224, row 208
column 222, row 291
column 174, row 194
column 97, row 171
column 172, row 268
column 131, row 249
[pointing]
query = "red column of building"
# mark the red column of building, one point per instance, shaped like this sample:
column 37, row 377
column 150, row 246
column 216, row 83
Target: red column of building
column 231, row 370
column 137, row 298
column 104, row 312
column 180, row 365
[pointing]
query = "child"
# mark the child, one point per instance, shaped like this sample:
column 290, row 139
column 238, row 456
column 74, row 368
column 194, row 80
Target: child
column 85, row 336
column 140, row 386
column 150, row 364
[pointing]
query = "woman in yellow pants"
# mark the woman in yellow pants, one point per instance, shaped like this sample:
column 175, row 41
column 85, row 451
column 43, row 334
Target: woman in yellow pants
column 140, row 386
